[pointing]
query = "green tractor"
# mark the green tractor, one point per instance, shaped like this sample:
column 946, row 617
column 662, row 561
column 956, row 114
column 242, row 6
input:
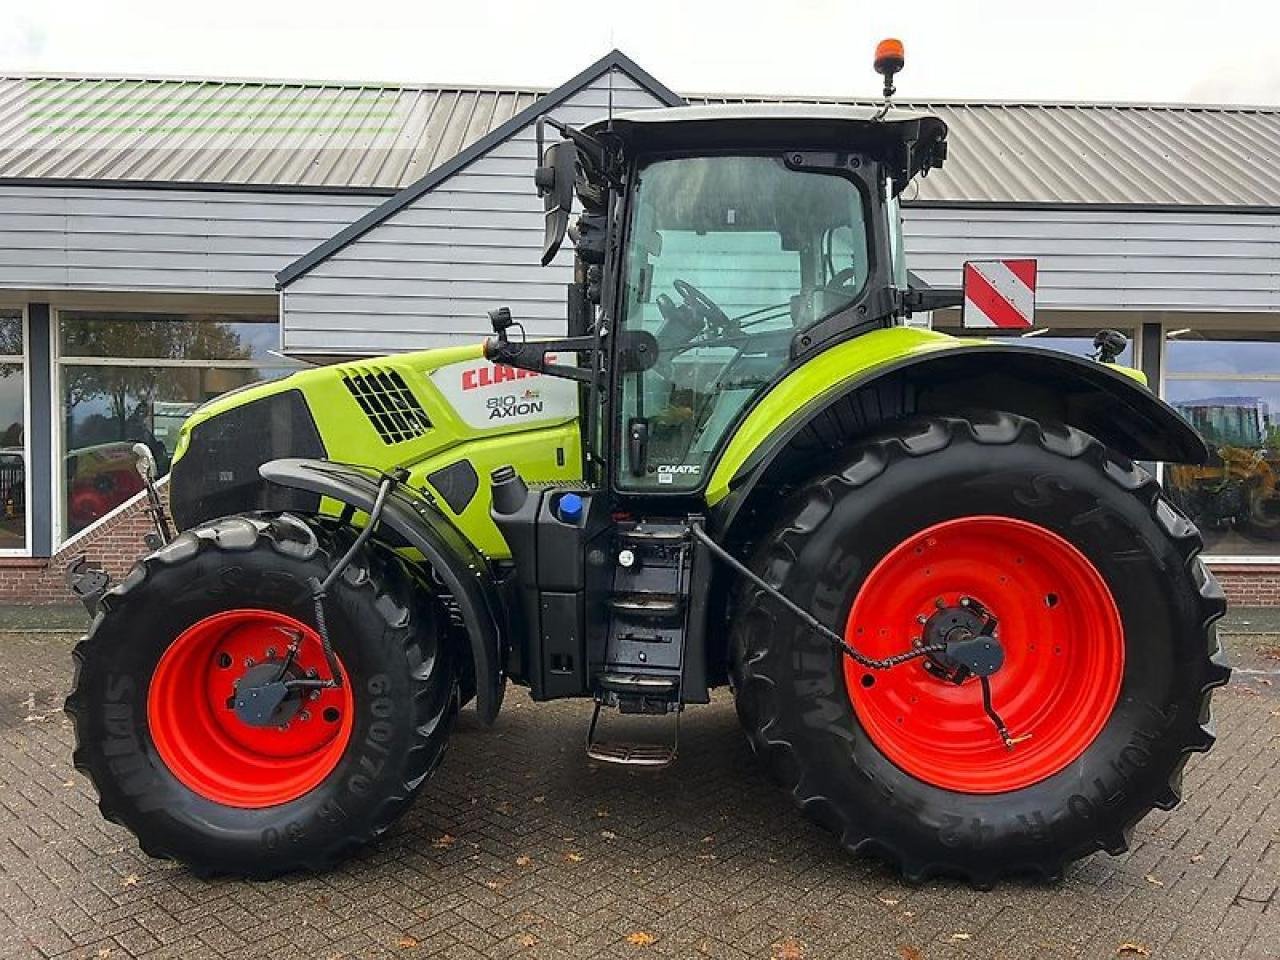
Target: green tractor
column 963, row 629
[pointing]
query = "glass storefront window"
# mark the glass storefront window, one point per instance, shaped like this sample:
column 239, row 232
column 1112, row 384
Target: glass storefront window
column 1075, row 340
column 1227, row 384
column 13, row 456
column 135, row 377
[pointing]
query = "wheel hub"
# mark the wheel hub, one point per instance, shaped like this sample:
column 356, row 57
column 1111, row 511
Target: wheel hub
column 972, row 646
column 262, row 698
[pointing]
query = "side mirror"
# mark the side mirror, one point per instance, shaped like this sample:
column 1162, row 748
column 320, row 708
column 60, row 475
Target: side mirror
column 999, row 295
column 554, row 179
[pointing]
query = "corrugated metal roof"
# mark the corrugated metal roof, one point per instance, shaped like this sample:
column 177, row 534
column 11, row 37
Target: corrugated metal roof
column 1098, row 153
column 358, row 136
column 241, row 132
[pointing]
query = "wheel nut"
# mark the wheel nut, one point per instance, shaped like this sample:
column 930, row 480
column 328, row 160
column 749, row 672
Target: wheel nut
column 304, row 715
column 922, row 619
column 965, row 601
column 315, row 694
column 248, row 661
column 271, row 652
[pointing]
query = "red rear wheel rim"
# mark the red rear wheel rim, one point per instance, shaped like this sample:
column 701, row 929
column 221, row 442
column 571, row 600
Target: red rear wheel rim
column 1063, row 644
column 208, row 748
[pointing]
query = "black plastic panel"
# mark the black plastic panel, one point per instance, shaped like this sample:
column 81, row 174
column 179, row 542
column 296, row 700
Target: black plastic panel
column 218, row 475
column 456, row 484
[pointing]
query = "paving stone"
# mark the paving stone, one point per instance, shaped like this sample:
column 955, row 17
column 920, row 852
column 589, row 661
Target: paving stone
column 707, row 858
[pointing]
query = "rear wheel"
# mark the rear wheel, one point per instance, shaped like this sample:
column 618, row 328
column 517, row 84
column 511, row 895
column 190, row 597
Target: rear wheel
column 223, row 606
column 1071, row 559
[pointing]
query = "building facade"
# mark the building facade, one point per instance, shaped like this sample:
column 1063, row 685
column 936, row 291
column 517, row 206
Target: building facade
column 163, row 241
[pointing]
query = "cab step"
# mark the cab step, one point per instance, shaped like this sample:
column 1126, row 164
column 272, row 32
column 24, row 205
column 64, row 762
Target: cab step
column 647, row 604
column 630, row 753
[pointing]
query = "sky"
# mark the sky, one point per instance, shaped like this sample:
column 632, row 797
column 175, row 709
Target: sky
column 1074, row 50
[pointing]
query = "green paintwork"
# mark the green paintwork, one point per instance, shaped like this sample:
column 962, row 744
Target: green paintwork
column 546, row 450
column 829, row 369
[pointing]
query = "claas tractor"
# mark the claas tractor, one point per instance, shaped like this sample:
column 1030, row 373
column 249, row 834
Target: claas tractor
column 1237, row 488
column 963, row 628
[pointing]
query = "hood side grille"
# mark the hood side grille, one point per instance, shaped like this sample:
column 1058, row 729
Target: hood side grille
column 388, row 402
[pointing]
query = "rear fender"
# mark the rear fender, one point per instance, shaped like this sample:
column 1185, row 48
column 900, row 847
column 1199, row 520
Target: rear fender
column 798, row 422
column 415, row 522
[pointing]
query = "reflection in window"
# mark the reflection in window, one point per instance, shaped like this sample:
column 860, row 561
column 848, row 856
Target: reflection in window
column 134, row 378
column 1074, row 340
column 1227, row 385
column 13, row 458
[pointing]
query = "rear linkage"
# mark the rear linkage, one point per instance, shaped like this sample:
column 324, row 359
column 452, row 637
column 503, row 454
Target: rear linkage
column 969, row 647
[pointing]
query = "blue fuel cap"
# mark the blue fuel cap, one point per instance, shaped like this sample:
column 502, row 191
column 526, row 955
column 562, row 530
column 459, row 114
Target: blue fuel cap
column 569, row 509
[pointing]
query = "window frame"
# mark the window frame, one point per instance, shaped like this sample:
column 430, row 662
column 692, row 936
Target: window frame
column 1238, row 326
column 59, row 362
column 616, row 306
column 25, row 361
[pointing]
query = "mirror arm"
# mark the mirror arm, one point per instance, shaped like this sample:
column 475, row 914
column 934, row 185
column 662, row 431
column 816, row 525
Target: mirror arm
column 925, row 299
column 532, row 355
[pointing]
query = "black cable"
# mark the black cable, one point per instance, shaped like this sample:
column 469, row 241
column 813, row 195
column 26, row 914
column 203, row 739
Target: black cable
column 811, row 621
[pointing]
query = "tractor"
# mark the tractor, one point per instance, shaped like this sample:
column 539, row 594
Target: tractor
column 963, row 627
column 1237, row 488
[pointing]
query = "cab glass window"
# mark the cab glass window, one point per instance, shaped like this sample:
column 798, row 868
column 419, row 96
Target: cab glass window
column 727, row 258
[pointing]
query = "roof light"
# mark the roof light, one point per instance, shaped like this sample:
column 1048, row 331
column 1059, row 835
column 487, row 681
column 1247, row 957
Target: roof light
column 889, row 57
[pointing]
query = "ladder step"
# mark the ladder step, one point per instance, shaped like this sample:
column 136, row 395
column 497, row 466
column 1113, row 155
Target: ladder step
column 628, row 753
column 654, row 536
column 632, row 754
column 633, row 683
column 648, row 604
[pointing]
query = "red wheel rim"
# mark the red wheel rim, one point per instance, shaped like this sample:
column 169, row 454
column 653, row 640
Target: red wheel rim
column 201, row 739
column 1063, row 644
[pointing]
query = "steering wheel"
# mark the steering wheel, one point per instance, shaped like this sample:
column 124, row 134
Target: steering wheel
column 841, row 278
column 705, row 310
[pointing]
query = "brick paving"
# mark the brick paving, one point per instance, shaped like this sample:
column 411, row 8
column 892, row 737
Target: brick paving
column 520, row 847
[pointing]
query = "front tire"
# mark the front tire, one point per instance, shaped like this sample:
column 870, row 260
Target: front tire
column 169, row 757
column 1104, row 610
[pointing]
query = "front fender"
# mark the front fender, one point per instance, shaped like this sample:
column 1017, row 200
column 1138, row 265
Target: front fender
column 901, row 371
column 418, row 524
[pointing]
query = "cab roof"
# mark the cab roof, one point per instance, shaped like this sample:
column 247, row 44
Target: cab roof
column 911, row 140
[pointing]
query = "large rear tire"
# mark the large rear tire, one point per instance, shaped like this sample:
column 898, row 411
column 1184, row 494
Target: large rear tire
column 171, row 760
column 1105, row 614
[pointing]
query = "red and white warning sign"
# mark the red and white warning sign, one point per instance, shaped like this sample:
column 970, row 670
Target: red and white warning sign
column 999, row 294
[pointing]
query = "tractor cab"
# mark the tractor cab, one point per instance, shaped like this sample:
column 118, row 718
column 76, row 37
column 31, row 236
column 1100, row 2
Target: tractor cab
column 718, row 247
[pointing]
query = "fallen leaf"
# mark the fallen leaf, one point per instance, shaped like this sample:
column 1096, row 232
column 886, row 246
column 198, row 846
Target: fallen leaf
column 572, row 857
column 602, row 813
column 540, row 799
column 523, row 861
column 527, row 940
column 640, row 938
column 908, row 952
column 104, row 952
column 72, row 783
column 406, row 942
column 608, row 835
column 1130, row 949
column 1153, row 881
column 496, row 884
column 131, row 880
column 1197, row 857
column 504, row 808
column 888, row 901
column 444, row 841
column 788, row 950
column 962, row 936
column 708, row 839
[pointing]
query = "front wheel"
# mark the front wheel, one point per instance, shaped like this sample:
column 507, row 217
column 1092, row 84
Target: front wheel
column 1071, row 559
column 225, row 605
